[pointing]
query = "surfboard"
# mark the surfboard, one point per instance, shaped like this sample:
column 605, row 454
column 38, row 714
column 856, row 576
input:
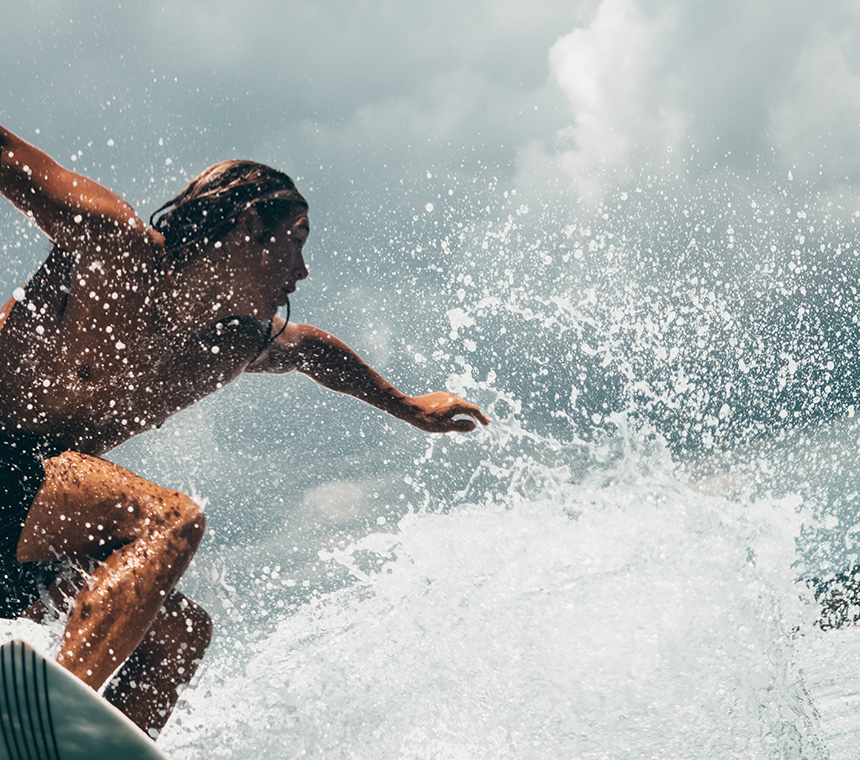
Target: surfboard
column 46, row 713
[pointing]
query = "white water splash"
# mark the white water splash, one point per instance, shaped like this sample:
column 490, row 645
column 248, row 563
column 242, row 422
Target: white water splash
column 627, row 615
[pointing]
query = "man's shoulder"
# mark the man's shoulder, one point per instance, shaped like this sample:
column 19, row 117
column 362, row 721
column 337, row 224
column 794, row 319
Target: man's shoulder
column 235, row 334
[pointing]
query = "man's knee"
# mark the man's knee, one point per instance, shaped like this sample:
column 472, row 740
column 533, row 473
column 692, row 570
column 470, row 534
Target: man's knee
column 89, row 507
column 186, row 519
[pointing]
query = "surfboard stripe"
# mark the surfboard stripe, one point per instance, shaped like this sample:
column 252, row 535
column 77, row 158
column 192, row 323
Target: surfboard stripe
column 50, row 719
column 16, row 691
column 25, row 697
column 23, row 704
column 10, row 736
column 33, row 712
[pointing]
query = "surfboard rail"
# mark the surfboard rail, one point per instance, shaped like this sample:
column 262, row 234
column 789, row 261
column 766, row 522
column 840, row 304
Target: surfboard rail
column 46, row 713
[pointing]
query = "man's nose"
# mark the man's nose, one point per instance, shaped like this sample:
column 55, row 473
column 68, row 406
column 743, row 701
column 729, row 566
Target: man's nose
column 300, row 271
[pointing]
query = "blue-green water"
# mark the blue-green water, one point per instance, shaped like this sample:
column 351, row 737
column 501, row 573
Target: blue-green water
column 616, row 568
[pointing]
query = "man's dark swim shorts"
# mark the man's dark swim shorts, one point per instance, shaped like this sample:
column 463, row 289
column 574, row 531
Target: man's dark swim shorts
column 21, row 476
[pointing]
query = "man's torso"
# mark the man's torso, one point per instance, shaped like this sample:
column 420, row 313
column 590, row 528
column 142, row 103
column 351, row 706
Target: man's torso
column 91, row 365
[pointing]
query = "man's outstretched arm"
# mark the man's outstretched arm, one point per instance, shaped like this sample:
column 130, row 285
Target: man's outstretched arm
column 70, row 208
column 333, row 364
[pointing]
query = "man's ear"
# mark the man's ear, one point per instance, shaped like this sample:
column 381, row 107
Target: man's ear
column 252, row 226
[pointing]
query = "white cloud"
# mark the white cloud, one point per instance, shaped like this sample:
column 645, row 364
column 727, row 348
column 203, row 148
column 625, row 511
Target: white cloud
column 731, row 82
column 817, row 122
column 377, row 92
column 606, row 71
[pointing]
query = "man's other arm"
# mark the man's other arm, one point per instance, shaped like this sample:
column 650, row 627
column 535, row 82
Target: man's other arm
column 71, row 209
column 333, row 364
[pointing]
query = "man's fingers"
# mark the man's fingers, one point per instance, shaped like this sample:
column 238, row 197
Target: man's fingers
column 481, row 417
column 446, row 414
column 472, row 411
column 464, row 426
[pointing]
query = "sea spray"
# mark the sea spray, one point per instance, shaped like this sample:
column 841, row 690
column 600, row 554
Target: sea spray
column 618, row 567
column 613, row 612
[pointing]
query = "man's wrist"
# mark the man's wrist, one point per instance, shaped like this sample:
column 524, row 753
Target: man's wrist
column 398, row 404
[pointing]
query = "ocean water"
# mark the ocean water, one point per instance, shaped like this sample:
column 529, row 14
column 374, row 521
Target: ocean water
column 623, row 565
column 605, row 610
column 611, row 607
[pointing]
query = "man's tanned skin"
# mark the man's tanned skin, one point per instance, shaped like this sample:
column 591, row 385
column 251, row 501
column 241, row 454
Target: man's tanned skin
column 115, row 349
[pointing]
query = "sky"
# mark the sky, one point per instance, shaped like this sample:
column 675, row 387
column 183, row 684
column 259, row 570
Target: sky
column 361, row 101
column 744, row 84
column 404, row 123
column 471, row 168
column 376, row 109
column 355, row 93
column 371, row 93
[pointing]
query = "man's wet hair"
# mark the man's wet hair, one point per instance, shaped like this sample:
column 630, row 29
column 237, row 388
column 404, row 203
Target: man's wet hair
column 211, row 203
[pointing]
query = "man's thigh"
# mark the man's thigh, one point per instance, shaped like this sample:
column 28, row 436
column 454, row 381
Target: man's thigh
column 88, row 507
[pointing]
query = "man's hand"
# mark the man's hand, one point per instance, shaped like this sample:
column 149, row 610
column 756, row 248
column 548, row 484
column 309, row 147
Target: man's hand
column 436, row 413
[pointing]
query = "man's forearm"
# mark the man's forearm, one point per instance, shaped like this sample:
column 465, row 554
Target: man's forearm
column 7, row 143
column 19, row 160
column 333, row 364
column 33, row 181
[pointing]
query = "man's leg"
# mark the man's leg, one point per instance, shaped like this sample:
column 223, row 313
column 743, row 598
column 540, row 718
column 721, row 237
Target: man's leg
column 147, row 686
column 143, row 537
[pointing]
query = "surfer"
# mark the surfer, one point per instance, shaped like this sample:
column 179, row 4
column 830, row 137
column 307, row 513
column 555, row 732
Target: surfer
column 124, row 325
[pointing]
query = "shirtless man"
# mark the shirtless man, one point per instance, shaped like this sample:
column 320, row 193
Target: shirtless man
column 124, row 325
